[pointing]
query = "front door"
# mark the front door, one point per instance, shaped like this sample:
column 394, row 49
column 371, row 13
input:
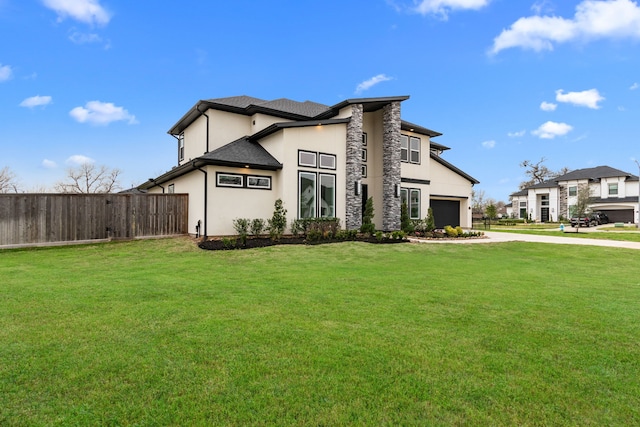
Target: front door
column 544, row 214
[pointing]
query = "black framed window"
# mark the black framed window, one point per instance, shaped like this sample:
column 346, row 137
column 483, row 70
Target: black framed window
column 238, row 180
column 181, row 147
column 307, row 194
column 327, row 161
column 307, row 158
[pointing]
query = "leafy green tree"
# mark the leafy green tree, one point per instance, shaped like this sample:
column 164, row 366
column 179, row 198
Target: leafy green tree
column 491, row 212
column 584, row 200
column 278, row 221
column 405, row 222
column 430, row 221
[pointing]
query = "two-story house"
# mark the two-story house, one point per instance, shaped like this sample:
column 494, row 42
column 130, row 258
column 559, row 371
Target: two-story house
column 236, row 156
column 613, row 192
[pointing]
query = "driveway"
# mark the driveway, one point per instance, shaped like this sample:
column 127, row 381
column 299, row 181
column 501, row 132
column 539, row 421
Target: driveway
column 498, row 237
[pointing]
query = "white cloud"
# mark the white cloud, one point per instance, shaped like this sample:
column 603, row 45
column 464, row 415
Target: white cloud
column 84, row 38
column 586, row 98
column 489, row 144
column 49, row 164
column 593, row 20
column 79, row 159
column 87, row 11
column 368, row 84
column 634, row 86
column 550, row 130
column 101, row 113
column 5, row 72
column 36, row 101
column 542, row 6
column 548, row 106
column 517, row 134
column 443, row 7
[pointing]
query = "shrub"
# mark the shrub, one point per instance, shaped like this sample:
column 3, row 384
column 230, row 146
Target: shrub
column 430, row 222
column 405, row 222
column 460, row 231
column 241, row 225
column 450, row 231
column 379, row 236
column 398, row 235
column 257, row 226
column 367, row 226
column 278, row 221
column 418, row 226
column 296, row 227
column 229, row 243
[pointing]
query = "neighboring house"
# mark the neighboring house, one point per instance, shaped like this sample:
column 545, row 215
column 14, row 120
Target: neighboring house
column 613, row 192
column 238, row 155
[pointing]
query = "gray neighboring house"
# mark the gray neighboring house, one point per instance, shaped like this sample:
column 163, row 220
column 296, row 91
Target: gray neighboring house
column 614, row 193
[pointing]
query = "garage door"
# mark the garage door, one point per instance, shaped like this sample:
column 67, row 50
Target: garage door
column 622, row 215
column 446, row 212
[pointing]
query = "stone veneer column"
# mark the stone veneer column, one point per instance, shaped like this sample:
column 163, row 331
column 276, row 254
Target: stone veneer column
column 563, row 209
column 391, row 167
column 353, row 221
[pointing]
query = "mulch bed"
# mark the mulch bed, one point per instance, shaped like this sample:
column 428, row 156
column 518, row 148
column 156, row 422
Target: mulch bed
column 262, row 242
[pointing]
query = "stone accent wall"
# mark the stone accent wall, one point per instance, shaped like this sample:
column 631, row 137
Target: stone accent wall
column 391, row 167
column 353, row 202
column 563, row 208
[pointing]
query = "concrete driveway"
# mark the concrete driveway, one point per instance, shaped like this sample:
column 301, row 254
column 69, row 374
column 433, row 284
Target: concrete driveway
column 498, row 237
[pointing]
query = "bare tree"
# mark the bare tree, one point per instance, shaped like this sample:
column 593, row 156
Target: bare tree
column 89, row 178
column 478, row 202
column 582, row 207
column 538, row 172
column 8, row 183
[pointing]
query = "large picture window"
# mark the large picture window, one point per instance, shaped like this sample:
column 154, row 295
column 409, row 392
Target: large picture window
column 327, row 195
column 306, row 195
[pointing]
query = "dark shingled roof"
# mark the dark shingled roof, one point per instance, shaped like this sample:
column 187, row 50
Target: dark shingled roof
column 520, row 193
column 242, row 152
column 596, row 173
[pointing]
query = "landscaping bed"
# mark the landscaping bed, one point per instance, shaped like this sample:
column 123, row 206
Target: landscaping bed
column 219, row 244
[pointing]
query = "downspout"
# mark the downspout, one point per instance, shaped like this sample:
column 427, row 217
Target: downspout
column 155, row 184
column 202, row 113
column 204, row 234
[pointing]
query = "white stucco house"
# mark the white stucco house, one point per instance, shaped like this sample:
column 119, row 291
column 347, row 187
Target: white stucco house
column 614, row 193
column 236, row 156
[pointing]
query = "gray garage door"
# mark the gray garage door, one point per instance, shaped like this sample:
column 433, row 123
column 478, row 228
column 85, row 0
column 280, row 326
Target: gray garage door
column 446, row 212
column 623, row 215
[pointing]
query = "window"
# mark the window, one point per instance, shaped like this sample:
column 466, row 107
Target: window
column 171, row 189
column 613, row 189
column 238, row 180
column 363, row 155
column 544, row 200
column 307, row 158
column 327, row 161
column 181, row 147
column 327, row 195
column 230, row 180
column 414, row 204
column 263, row 182
column 573, row 191
column 364, row 171
column 364, row 139
column 306, row 195
column 414, row 152
column 411, row 198
column 404, row 148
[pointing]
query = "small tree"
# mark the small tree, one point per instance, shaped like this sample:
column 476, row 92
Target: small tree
column 257, row 226
column 582, row 208
column 367, row 218
column 430, row 221
column 491, row 212
column 405, row 222
column 278, row 221
column 241, row 225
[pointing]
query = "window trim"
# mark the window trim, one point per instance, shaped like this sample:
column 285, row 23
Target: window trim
column 364, row 139
column 308, row 165
column 412, row 150
column 181, row 147
column 319, row 196
column 575, row 190
column 610, row 186
column 404, row 149
column 405, row 193
column 364, row 171
column 315, row 193
column 327, row 155
column 363, row 155
column 171, row 188
column 244, row 181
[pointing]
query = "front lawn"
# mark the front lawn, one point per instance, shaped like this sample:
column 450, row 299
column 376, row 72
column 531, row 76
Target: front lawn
column 582, row 233
column 162, row 333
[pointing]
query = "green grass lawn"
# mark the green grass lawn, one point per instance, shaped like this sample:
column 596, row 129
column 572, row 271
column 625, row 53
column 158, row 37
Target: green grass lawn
column 161, row 333
column 607, row 234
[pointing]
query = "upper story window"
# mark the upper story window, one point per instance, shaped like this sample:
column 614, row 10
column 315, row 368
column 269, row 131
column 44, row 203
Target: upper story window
column 613, row 189
column 409, row 149
column 171, row 189
column 573, row 190
column 181, row 147
column 544, row 200
column 307, row 158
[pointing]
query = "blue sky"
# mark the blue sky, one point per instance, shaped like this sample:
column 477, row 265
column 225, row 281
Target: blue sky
column 503, row 81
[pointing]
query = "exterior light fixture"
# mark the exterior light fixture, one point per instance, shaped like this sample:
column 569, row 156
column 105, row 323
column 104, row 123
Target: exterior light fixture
column 358, row 187
column 396, row 190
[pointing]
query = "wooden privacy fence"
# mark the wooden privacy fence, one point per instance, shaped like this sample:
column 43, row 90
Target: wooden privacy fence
column 34, row 219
